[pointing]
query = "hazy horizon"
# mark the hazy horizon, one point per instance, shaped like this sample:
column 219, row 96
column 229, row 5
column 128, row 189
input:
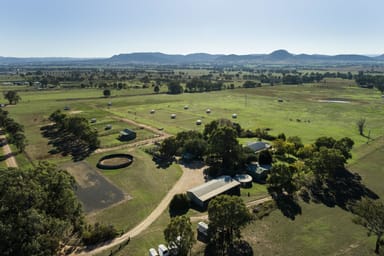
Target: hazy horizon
column 100, row 29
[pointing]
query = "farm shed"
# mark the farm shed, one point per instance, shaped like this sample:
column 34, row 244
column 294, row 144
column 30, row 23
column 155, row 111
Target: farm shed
column 258, row 146
column 201, row 195
column 127, row 134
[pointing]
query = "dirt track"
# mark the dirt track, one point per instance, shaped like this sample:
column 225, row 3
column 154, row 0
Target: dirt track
column 10, row 161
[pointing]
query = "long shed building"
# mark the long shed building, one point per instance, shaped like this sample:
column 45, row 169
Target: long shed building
column 201, row 195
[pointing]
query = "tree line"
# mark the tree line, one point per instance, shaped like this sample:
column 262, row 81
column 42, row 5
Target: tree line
column 14, row 130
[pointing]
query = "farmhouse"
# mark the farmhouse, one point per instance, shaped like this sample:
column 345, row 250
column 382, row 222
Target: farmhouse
column 127, row 134
column 258, row 146
column 201, row 195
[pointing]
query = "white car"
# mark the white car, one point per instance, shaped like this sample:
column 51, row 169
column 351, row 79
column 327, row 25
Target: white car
column 163, row 250
column 153, row 252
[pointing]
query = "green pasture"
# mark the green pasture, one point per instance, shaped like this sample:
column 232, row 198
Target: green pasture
column 319, row 230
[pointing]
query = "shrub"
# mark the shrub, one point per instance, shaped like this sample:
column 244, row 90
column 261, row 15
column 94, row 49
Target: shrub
column 98, row 233
column 179, row 204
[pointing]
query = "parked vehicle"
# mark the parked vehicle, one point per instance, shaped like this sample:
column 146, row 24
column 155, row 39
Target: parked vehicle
column 163, row 250
column 153, row 252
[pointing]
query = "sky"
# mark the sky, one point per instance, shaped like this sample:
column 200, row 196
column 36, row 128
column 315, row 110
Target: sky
column 102, row 28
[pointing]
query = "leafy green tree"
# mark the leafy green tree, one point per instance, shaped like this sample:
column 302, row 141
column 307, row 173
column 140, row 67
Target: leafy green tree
column 196, row 147
column 361, row 125
column 18, row 139
column 39, row 211
column 326, row 162
column 227, row 215
column 225, row 146
column 179, row 203
column 345, row 146
column 370, row 214
column 156, row 89
column 168, row 147
column 12, row 97
column 296, row 142
column 306, row 151
column 179, row 234
column 282, row 179
column 174, row 87
column 265, row 157
column 107, row 93
column 214, row 125
column 327, row 142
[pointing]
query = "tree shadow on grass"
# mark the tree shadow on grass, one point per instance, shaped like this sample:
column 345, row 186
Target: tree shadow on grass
column 65, row 144
column 341, row 191
column 239, row 248
column 288, row 205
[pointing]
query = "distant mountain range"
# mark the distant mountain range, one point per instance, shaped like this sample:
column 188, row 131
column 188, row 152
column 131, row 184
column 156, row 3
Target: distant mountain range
column 156, row 58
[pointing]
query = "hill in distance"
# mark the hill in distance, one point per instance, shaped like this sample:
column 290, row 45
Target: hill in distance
column 157, row 58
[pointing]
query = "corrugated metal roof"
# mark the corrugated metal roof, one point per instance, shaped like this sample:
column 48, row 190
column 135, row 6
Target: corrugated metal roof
column 214, row 187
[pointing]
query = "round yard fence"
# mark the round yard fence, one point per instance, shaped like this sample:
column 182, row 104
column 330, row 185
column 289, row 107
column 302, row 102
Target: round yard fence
column 114, row 161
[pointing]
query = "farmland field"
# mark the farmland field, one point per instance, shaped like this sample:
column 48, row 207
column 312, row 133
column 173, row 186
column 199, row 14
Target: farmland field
column 308, row 111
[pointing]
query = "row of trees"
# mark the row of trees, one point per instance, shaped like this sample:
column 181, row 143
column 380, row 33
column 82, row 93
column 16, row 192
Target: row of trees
column 376, row 81
column 14, row 130
column 77, row 130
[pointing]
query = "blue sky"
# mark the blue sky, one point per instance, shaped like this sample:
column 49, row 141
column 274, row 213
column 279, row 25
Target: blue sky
column 102, row 28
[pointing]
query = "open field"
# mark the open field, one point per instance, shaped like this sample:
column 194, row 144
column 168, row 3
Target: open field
column 308, row 111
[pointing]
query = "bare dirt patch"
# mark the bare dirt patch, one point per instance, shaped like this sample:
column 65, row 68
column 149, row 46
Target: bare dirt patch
column 75, row 112
column 93, row 189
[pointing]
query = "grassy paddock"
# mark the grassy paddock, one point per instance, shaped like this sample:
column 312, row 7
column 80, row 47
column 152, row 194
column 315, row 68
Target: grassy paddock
column 142, row 180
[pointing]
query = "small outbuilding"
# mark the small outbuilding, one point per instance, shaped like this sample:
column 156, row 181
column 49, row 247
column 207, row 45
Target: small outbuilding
column 201, row 195
column 258, row 146
column 127, row 134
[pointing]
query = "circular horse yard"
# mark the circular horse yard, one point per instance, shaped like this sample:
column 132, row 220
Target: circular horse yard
column 114, row 161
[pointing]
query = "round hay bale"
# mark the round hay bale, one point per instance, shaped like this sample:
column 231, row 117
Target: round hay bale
column 198, row 122
column 152, row 111
column 208, row 111
column 186, row 107
column 173, row 116
column 234, row 115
